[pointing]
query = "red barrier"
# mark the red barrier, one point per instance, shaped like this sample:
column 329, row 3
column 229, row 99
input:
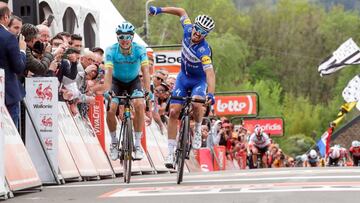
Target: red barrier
column 19, row 168
column 154, row 150
column 92, row 144
column 204, row 159
column 97, row 119
column 67, row 165
column 75, row 143
column 220, row 160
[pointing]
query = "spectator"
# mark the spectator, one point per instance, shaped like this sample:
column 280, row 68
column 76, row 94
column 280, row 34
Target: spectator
column 204, row 135
column 98, row 50
column 214, row 134
column 76, row 42
column 15, row 25
column 38, row 57
column 159, row 77
column 66, row 37
column 160, row 102
column 44, row 33
column 12, row 60
column 66, row 67
column 171, row 82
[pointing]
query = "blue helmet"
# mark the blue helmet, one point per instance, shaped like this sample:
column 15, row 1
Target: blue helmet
column 125, row 28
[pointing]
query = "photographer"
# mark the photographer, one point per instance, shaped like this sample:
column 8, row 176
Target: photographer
column 67, row 61
column 38, row 54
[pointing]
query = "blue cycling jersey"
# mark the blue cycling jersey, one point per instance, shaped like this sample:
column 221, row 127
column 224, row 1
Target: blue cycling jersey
column 195, row 58
column 126, row 67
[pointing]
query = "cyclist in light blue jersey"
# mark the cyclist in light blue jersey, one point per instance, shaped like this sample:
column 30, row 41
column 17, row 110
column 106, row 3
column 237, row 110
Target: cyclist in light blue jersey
column 124, row 60
column 196, row 75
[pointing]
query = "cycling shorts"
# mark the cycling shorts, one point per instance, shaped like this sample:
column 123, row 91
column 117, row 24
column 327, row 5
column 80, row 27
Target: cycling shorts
column 183, row 84
column 133, row 88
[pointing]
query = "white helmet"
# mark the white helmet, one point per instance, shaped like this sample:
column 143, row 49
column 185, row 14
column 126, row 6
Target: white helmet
column 354, row 143
column 313, row 154
column 205, row 22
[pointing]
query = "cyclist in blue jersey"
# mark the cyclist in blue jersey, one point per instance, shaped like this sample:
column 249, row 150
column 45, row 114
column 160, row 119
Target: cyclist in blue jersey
column 123, row 61
column 196, row 75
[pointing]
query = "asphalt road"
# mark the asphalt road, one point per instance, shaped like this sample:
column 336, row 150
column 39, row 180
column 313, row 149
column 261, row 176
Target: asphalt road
column 262, row 185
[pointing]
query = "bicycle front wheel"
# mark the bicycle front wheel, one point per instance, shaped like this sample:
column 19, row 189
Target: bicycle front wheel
column 128, row 149
column 181, row 149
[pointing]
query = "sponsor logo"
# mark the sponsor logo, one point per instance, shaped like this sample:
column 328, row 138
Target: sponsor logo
column 206, row 60
column 187, row 21
column 271, row 126
column 201, row 49
column 43, row 94
column 231, row 106
column 48, row 143
column 204, row 167
column 42, row 106
column 235, row 105
column 47, row 122
column 96, row 117
column 166, row 59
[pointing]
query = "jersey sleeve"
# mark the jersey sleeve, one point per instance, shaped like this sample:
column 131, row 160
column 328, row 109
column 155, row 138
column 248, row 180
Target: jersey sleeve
column 185, row 22
column 109, row 61
column 205, row 57
column 144, row 61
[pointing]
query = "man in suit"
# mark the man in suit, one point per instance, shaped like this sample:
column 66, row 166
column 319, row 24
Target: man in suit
column 12, row 60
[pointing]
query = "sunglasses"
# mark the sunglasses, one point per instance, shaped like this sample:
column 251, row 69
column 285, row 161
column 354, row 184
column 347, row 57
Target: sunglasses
column 125, row 37
column 200, row 30
column 159, row 78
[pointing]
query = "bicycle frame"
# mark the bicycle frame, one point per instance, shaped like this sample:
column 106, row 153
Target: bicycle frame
column 184, row 141
column 126, row 136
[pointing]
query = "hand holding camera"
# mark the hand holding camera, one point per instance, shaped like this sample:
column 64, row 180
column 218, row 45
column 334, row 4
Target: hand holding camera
column 22, row 43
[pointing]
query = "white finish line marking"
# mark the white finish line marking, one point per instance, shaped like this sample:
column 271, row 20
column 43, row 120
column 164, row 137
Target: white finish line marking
column 234, row 189
column 210, row 181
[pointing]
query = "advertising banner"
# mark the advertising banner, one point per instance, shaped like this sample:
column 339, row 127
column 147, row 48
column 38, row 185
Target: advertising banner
column 2, row 138
column 245, row 105
column 204, row 158
column 20, row 171
column 168, row 60
column 75, row 143
column 41, row 100
column 220, row 158
column 271, row 126
column 97, row 119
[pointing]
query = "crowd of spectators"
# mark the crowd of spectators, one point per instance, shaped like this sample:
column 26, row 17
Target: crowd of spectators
column 29, row 50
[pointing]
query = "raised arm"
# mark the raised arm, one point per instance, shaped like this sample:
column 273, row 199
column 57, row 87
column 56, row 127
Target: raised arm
column 170, row 10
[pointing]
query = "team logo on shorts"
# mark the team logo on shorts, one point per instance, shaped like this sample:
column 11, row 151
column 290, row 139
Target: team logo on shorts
column 206, row 60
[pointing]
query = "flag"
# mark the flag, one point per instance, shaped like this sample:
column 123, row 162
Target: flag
column 347, row 54
column 351, row 93
column 324, row 143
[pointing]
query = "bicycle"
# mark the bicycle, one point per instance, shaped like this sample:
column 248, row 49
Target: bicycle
column 184, row 140
column 126, row 135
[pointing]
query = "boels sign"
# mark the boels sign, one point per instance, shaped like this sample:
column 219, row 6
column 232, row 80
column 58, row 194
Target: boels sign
column 271, row 126
column 236, row 105
column 169, row 60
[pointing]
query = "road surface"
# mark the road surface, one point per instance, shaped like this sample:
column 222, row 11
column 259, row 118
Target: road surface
column 260, row 185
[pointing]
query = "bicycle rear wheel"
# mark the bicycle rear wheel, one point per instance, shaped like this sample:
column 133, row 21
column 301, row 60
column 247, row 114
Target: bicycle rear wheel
column 128, row 149
column 181, row 149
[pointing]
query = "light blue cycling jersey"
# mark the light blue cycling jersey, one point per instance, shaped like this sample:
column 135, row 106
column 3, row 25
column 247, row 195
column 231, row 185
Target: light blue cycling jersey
column 195, row 58
column 126, row 67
